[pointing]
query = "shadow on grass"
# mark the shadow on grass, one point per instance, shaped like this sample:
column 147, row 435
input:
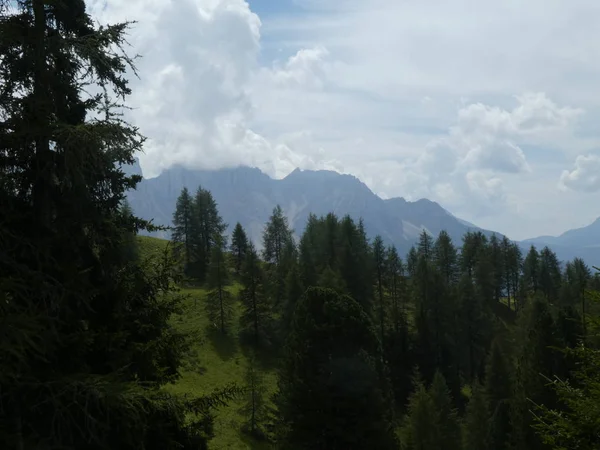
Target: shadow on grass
column 224, row 344
column 266, row 357
column 253, row 443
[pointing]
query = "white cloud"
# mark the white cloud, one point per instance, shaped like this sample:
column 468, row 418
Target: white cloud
column 585, row 177
column 304, row 69
column 473, row 104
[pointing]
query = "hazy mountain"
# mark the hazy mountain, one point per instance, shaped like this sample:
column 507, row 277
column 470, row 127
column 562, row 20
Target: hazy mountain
column 247, row 195
column 580, row 242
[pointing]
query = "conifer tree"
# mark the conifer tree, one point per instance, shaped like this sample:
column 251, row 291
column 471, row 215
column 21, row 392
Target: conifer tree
column 86, row 344
column 277, row 242
column 256, row 310
column 475, row 429
column 498, row 392
column 332, row 392
column 473, row 328
column 255, row 407
column 446, row 417
column 379, row 261
column 219, row 300
column 420, row 429
column 446, row 258
column 531, row 270
column 275, row 237
column 294, row 288
column 239, row 247
column 356, row 263
column 129, row 244
column 394, row 279
column 497, row 262
column 183, row 228
column 207, row 231
column 550, row 276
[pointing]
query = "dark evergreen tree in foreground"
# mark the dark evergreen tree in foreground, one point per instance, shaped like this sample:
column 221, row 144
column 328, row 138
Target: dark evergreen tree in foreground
column 85, row 340
column 332, row 389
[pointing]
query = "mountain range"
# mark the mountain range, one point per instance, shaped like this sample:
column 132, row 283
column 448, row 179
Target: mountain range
column 248, row 196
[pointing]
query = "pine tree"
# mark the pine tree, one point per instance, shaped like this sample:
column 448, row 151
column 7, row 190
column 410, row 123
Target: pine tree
column 498, row 391
column 537, row 360
column 255, row 407
column 294, row 288
column 473, row 328
column 497, row 262
column 395, row 280
column 129, row 244
column 531, row 270
column 256, row 311
column 86, row 341
column 331, row 388
column 475, row 430
column 277, row 240
column 219, row 300
column 420, row 429
column 239, row 247
column 446, row 417
column 446, row 258
column 381, row 308
column 207, row 231
column 550, row 276
column 275, row 237
column 183, row 227
column 355, row 262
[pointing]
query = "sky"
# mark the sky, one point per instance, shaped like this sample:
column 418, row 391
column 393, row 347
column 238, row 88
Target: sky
column 489, row 108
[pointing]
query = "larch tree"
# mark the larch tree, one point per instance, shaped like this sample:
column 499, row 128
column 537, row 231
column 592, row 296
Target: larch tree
column 255, row 407
column 332, row 389
column 446, row 416
column 256, row 316
column 219, row 300
column 380, row 309
column 475, row 430
column 208, row 230
column 239, row 247
column 183, row 228
column 277, row 238
column 85, row 343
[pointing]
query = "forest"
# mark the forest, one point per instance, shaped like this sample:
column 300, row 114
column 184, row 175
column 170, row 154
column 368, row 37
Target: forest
column 107, row 337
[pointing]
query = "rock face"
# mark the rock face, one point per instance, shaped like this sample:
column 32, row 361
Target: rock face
column 247, row 195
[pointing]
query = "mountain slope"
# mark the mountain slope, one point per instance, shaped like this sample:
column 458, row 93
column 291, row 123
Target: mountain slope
column 581, row 242
column 247, row 195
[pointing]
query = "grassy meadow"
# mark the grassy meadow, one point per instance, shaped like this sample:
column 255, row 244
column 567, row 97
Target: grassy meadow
column 216, row 360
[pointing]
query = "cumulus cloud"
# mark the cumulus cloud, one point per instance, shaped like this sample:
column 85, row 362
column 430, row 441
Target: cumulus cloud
column 584, row 177
column 416, row 101
column 192, row 101
column 304, row 69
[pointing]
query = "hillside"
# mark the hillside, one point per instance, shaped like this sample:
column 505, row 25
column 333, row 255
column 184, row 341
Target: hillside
column 215, row 360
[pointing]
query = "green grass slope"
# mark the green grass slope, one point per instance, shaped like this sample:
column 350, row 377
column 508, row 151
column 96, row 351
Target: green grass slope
column 215, row 361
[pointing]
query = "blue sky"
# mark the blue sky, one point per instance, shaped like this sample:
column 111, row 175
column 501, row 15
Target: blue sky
column 490, row 108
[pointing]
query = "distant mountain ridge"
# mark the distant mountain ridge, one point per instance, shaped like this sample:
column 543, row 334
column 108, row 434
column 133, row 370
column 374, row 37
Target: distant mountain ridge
column 248, row 195
column 581, row 242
